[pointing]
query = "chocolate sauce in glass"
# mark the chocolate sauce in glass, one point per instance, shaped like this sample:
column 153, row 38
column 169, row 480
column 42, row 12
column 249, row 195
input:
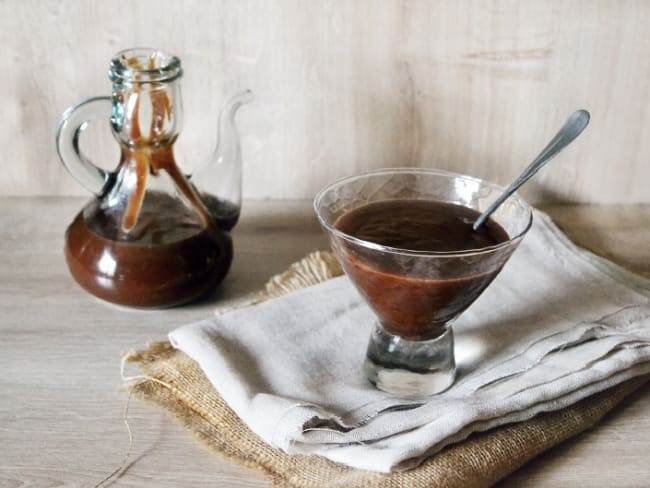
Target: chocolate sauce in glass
column 413, row 305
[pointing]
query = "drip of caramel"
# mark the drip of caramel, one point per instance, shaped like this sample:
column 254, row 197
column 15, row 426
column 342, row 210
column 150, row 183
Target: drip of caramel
column 153, row 154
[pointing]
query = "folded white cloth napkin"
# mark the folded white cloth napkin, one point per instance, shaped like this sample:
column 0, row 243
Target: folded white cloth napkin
column 558, row 324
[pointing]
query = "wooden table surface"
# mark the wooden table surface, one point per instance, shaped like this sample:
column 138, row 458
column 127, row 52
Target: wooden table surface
column 60, row 404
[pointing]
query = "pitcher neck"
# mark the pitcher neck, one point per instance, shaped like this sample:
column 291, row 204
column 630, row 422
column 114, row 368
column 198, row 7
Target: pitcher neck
column 146, row 96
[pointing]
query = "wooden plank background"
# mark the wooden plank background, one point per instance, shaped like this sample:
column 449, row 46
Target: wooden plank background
column 345, row 86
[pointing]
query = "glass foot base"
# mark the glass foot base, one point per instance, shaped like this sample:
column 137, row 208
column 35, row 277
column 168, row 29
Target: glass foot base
column 410, row 369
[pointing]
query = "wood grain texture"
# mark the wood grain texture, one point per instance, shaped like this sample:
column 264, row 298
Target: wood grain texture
column 344, row 86
column 60, row 405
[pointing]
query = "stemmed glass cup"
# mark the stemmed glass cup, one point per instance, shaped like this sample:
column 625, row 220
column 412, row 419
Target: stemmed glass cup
column 417, row 295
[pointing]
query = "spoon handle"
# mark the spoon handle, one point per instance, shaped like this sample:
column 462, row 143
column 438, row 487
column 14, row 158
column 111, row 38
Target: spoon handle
column 571, row 129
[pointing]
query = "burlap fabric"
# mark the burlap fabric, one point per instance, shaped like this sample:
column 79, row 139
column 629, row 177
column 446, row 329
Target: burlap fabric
column 481, row 460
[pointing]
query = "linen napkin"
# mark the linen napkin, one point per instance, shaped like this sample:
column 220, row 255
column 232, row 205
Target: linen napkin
column 558, row 324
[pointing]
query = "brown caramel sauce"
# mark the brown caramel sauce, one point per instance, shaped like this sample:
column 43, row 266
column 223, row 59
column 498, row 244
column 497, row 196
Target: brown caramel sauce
column 169, row 260
column 416, row 306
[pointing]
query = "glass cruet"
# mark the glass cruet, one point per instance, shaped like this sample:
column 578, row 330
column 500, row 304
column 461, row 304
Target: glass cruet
column 152, row 236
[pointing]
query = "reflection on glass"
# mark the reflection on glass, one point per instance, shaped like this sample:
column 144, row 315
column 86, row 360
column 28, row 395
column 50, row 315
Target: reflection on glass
column 107, row 263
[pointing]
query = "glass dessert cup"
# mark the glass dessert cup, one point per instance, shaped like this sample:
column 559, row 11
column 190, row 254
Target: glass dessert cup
column 416, row 295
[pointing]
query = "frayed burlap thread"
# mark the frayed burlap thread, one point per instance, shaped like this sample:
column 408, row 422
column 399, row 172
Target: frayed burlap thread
column 481, row 460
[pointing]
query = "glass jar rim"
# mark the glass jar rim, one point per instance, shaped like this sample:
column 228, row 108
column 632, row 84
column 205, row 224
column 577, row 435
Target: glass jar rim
column 514, row 240
column 144, row 65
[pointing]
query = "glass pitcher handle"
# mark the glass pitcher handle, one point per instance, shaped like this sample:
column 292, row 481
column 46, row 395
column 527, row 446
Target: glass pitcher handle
column 73, row 123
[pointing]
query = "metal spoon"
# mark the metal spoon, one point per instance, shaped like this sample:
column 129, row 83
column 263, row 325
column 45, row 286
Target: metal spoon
column 566, row 135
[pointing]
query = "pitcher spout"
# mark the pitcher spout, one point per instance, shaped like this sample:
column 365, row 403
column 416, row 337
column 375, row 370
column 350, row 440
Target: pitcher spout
column 220, row 180
column 227, row 136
